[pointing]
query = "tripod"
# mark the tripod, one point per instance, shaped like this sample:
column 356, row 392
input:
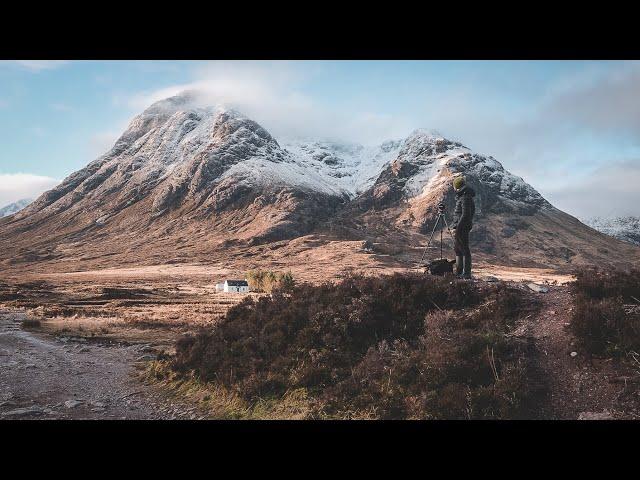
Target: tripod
column 442, row 217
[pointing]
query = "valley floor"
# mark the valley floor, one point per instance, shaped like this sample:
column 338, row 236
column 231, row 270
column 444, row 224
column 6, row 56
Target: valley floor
column 94, row 328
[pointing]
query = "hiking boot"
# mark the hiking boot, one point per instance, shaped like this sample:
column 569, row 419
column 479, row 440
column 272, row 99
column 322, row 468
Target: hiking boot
column 467, row 266
column 459, row 265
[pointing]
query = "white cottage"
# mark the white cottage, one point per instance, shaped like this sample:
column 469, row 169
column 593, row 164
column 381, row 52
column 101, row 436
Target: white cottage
column 233, row 286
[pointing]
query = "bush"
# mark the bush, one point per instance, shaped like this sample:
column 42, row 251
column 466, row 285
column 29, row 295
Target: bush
column 30, row 323
column 268, row 281
column 599, row 284
column 600, row 322
column 400, row 346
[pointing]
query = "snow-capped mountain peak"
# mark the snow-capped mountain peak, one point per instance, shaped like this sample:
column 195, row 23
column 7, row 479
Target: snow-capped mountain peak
column 349, row 166
column 181, row 150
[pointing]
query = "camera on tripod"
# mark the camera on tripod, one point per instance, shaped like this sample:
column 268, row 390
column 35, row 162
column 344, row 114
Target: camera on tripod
column 441, row 266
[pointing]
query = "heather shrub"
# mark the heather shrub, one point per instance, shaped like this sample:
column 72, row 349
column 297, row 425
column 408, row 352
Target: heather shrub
column 604, row 321
column 30, row 323
column 398, row 346
column 599, row 284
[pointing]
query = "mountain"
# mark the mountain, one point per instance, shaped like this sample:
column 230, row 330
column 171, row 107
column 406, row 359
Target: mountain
column 187, row 182
column 14, row 207
column 514, row 224
column 179, row 162
column 626, row 229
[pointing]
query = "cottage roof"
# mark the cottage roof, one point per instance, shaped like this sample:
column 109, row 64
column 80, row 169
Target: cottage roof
column 237, row 283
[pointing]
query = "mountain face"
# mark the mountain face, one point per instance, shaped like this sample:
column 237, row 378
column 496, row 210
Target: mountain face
column 14, row 207
column 181, row 163
column 626, row 229
column 186, row 181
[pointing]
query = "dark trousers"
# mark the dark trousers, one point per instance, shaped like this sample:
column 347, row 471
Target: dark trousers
column 461, row 242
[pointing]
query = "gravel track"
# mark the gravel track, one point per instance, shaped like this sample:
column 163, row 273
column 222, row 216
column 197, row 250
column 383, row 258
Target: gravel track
column 46, row 377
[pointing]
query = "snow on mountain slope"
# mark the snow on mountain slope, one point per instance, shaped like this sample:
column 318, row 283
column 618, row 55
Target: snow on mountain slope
column 626, row 229
column 288, row 173
column 351, row 167
column 14, row 207
column 174, row 152
column 181, row 163
column 421, row 170
column 429, row 153
column 178, row 152
column 419, row 164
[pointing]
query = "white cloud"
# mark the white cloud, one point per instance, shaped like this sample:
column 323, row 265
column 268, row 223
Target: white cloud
column 605, row 103
column 35, row 65
column 270, row 93
column 16, row 186
column 606, row 192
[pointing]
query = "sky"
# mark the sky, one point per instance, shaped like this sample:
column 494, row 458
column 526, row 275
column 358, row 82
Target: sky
column 571, row 129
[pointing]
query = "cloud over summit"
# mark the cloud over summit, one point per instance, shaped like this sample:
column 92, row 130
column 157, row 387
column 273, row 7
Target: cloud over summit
column 17, row 186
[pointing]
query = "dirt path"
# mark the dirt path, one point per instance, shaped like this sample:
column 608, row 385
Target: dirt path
column 579, row 389
column 59, row 378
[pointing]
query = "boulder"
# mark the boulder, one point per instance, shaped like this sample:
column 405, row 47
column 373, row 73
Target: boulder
column 537, row 288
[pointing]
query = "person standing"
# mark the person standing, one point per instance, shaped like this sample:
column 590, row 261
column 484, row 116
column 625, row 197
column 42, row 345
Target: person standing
column 462, row 224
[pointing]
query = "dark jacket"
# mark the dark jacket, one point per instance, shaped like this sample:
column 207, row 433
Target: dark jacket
column 465, row 208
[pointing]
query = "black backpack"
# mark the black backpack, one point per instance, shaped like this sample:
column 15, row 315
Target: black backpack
column 441, row 266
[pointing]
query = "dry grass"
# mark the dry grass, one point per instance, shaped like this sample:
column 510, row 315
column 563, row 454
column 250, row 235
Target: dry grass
column 222, row 404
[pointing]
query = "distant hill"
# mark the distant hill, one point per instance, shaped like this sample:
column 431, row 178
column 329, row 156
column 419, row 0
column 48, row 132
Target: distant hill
column 626, row 229
column 14, row 207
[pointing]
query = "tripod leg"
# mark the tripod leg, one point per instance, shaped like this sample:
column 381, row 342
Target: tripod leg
column 424, row 252
column 448, row 229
